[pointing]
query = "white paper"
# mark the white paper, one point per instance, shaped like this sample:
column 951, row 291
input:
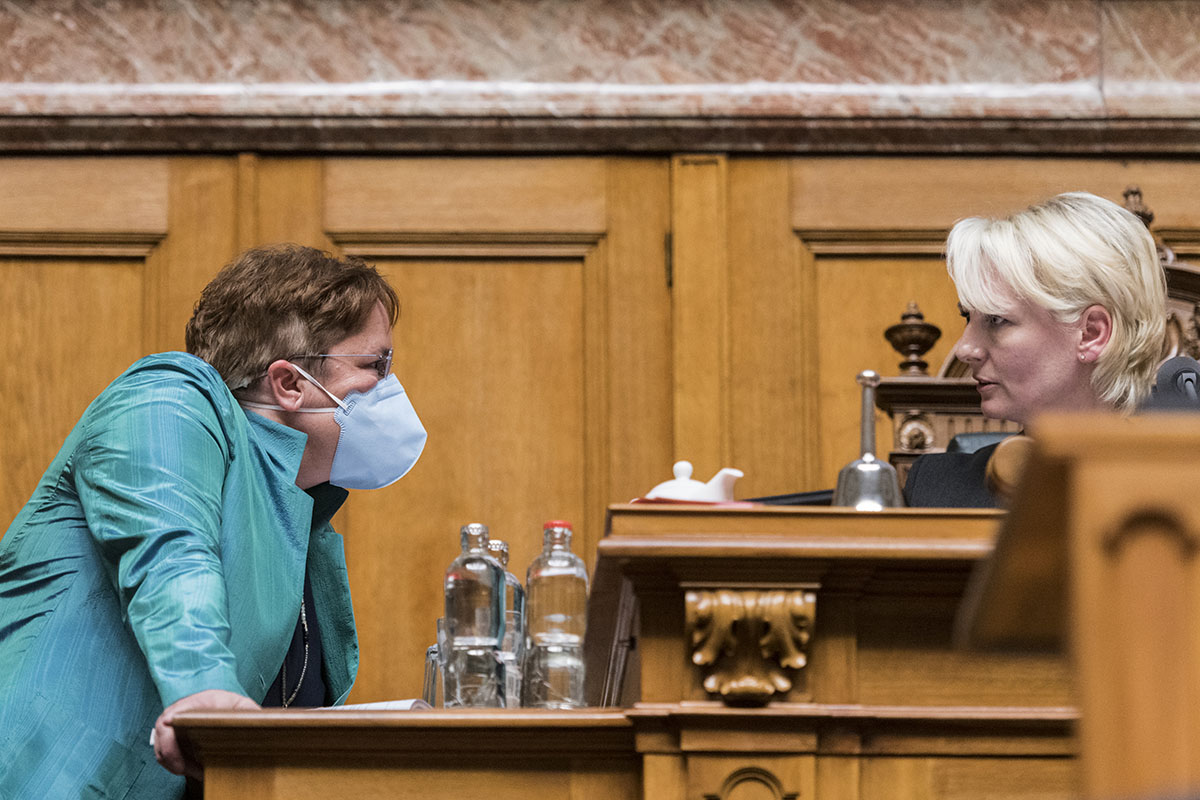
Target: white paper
column 416, row 704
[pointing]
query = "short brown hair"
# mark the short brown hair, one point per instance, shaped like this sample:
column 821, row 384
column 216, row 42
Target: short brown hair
column 281, row 301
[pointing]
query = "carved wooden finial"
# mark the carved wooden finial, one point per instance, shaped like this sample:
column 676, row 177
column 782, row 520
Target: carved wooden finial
column 1136, row 205
column 912, row 338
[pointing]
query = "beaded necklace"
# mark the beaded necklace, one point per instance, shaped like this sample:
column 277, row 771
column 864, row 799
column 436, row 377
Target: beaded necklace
column 283, row 695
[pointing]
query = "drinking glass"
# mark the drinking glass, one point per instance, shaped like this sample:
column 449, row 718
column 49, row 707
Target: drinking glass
column 512, row 653
column 434, row 661
column 472, row 672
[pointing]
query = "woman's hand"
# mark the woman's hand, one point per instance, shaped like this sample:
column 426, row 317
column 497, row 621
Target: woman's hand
column 166, row 746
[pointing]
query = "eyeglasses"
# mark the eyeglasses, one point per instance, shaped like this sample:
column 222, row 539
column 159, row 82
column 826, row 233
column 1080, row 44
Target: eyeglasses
column 382, row 363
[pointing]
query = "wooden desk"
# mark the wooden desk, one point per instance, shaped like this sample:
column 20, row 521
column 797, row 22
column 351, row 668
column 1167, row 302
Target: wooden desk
column 823, row 637
column 500, row 754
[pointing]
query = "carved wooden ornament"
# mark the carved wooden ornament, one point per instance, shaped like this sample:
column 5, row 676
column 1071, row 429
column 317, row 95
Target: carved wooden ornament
column 754, row 781
column 749, row 642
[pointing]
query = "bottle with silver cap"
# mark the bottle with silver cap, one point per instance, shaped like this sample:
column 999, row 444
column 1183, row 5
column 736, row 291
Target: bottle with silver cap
column 474, row 624
column 512, row 648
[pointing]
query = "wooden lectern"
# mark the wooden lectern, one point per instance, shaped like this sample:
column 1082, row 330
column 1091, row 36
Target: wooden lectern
column 1099, row 553
column 733, row 653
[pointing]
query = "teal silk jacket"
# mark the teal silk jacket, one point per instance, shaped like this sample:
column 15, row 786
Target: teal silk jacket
column 162, row 553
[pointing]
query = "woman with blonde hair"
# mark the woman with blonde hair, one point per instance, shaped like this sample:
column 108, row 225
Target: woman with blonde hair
column 1065, row 309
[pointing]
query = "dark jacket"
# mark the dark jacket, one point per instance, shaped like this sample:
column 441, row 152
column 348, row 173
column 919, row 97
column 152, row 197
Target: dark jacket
column 950, row 480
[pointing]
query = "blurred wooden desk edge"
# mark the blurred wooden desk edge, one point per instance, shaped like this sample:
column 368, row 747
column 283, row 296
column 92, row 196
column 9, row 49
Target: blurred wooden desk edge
column 1097, row 557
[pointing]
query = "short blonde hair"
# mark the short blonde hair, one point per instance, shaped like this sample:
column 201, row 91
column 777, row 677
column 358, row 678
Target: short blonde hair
column 1070, row 252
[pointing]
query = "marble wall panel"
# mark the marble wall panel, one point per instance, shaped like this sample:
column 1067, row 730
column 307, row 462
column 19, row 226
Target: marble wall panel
column 909, row 42
column 1019, row 76
column 1151, row 57
column 590, row 57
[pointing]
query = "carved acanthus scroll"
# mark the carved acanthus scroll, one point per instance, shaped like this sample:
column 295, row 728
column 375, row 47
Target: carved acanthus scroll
column 750, row 643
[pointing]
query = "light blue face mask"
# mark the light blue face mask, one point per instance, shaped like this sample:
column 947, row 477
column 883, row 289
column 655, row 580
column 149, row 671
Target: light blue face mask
column 381, row 440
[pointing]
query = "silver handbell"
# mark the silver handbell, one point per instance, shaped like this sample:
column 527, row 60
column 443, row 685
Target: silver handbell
column 867, row 483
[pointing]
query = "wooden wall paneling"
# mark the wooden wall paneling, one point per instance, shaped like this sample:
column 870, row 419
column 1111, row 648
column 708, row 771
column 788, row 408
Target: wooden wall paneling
column 858, row 296
column 288, row 205
column 593, row 469
column 457, row 195
column 248, row 203
column 490, row 352
column 77, row 237
column 203, row 212
column 700, row 296
column 772, row 356
column 638, row 333
column 913, row 193
column 810, row 364
column 54, row 359
column 60, row 197
column 504, row 278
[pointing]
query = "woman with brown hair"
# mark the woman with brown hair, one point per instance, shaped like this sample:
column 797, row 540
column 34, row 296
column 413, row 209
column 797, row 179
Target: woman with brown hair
column 177, row 554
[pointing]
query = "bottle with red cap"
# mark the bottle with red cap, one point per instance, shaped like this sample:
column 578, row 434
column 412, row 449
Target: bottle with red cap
column 556, row 587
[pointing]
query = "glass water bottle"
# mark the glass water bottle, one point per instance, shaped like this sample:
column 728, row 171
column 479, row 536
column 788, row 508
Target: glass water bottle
column 474, row 590
column 557, row 586
column 512, row 648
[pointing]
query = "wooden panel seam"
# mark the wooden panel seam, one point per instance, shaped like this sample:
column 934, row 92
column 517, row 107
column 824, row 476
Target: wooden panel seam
column 872, row 242
column 699, row 186
column 247, row 201
column 70, row 244
column 423, row 244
